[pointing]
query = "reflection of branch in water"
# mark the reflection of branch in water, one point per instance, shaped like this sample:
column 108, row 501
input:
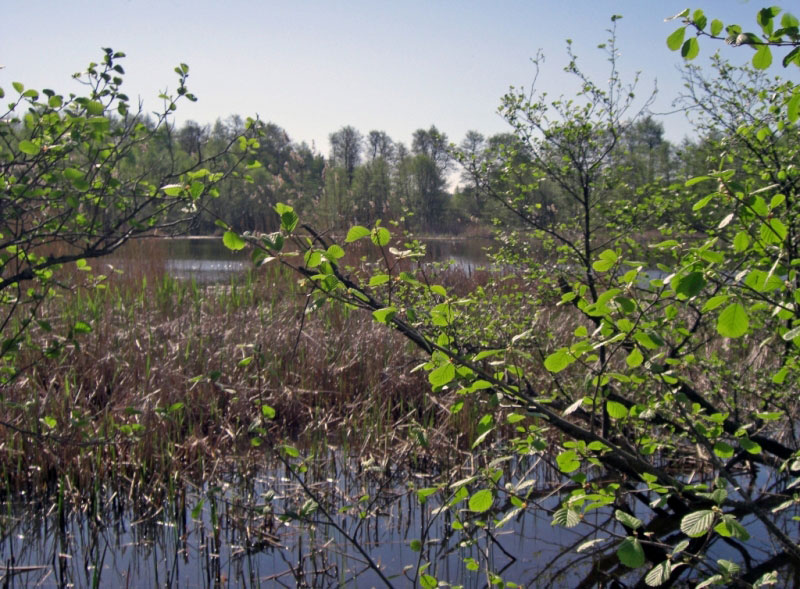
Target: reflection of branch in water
column 571, row 550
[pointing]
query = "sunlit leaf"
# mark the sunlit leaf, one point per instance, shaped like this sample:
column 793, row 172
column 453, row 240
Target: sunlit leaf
column 442, row 374
column 616, row 410
column 733, row 321
column 380, row 236
column 659, row 574
column 356, row 232
column 232, row 241
column 481, row 501
column 558, row 361
column 566, row 517
column 568, row 461
column 28, row 147
column 675, row 40
column 762, row 58
column 690, row 48
column 627, row 519
column 697, row 523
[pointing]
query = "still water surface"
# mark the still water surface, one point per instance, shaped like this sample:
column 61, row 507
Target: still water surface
column 207, row 260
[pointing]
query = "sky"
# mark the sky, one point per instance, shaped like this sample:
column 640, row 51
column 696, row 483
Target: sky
column 313, row 66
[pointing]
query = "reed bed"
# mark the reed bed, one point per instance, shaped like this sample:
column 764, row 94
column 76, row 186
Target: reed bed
column 176, row 378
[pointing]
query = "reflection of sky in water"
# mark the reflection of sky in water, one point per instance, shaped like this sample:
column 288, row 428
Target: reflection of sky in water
column 172, row 549
column 163, row 551
column 205, row 271
column 208, row 260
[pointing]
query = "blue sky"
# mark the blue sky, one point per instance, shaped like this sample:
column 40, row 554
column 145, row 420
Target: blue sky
column 312, row 66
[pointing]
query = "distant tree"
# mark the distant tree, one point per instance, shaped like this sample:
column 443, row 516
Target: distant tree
column 192, row 137
column 379, row 145
column 346, row 146
column 432, row 144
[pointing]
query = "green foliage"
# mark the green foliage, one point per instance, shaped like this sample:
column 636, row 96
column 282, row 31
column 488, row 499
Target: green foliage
column 79, row 176
column 774, row 33
column 627, row 351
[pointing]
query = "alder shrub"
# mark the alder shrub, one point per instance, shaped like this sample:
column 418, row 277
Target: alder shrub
column 658, row 368
column 80, row 174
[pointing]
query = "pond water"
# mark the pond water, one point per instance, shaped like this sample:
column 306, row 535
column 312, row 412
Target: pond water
column 207, row 260
column 263, row 531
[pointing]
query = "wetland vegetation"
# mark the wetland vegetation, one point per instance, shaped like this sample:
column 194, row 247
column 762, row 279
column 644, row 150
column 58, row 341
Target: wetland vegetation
column 610, row 401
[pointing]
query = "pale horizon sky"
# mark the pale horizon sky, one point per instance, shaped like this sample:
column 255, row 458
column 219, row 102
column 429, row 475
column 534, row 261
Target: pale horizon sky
column 313, row 66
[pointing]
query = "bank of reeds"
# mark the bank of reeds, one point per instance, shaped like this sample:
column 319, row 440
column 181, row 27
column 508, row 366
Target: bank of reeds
column 173, row 378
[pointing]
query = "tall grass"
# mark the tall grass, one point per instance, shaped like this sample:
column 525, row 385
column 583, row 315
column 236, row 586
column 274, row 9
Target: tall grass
column 172, row 378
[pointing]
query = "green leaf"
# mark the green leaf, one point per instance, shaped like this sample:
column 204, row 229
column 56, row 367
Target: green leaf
column 481, row 501
column 792, row 57
column 356, row 232
column 690, row 48
column 723, row 449
column 733, row 321
column 730, row 568
column 172, row 189
column 675, row 40
column 558, row 361
column 568, row 461
column 384, row 315
column 696, row 180
column 334, row 252
column 659, row 574
column 699, row 19
column 741, row 242
column 442, row 374
column 716, row 27
column 82, row 327
column 232, row 241
column 379, row 279
column 268, row 412
column 423, row 494
column 94, row 108
column 697, row 523
column 415, row 545
column 290, row 451
column 793, row 107
column 635, row 358
column 691, row 284
column 616, row 410
column 729, row 527
column 28, row 147
column 762, row 58
column 312, row 258
column 627, row 520
column 197, row 509
column 428, row 582
column 715, row 302
column 380, row 236
column 289, row 221
column 631, row 553
column 566, row 517
column 606, row 261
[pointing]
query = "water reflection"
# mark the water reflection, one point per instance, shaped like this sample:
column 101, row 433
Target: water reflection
column 263, row 531
column 208, row 261
column 259, row 532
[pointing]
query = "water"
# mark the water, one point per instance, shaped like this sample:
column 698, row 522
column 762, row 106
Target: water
column 208, row 261
column 236, row 536
column 246, row 531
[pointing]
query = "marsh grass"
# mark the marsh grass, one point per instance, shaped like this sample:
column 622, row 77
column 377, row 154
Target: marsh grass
column 167, row 378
